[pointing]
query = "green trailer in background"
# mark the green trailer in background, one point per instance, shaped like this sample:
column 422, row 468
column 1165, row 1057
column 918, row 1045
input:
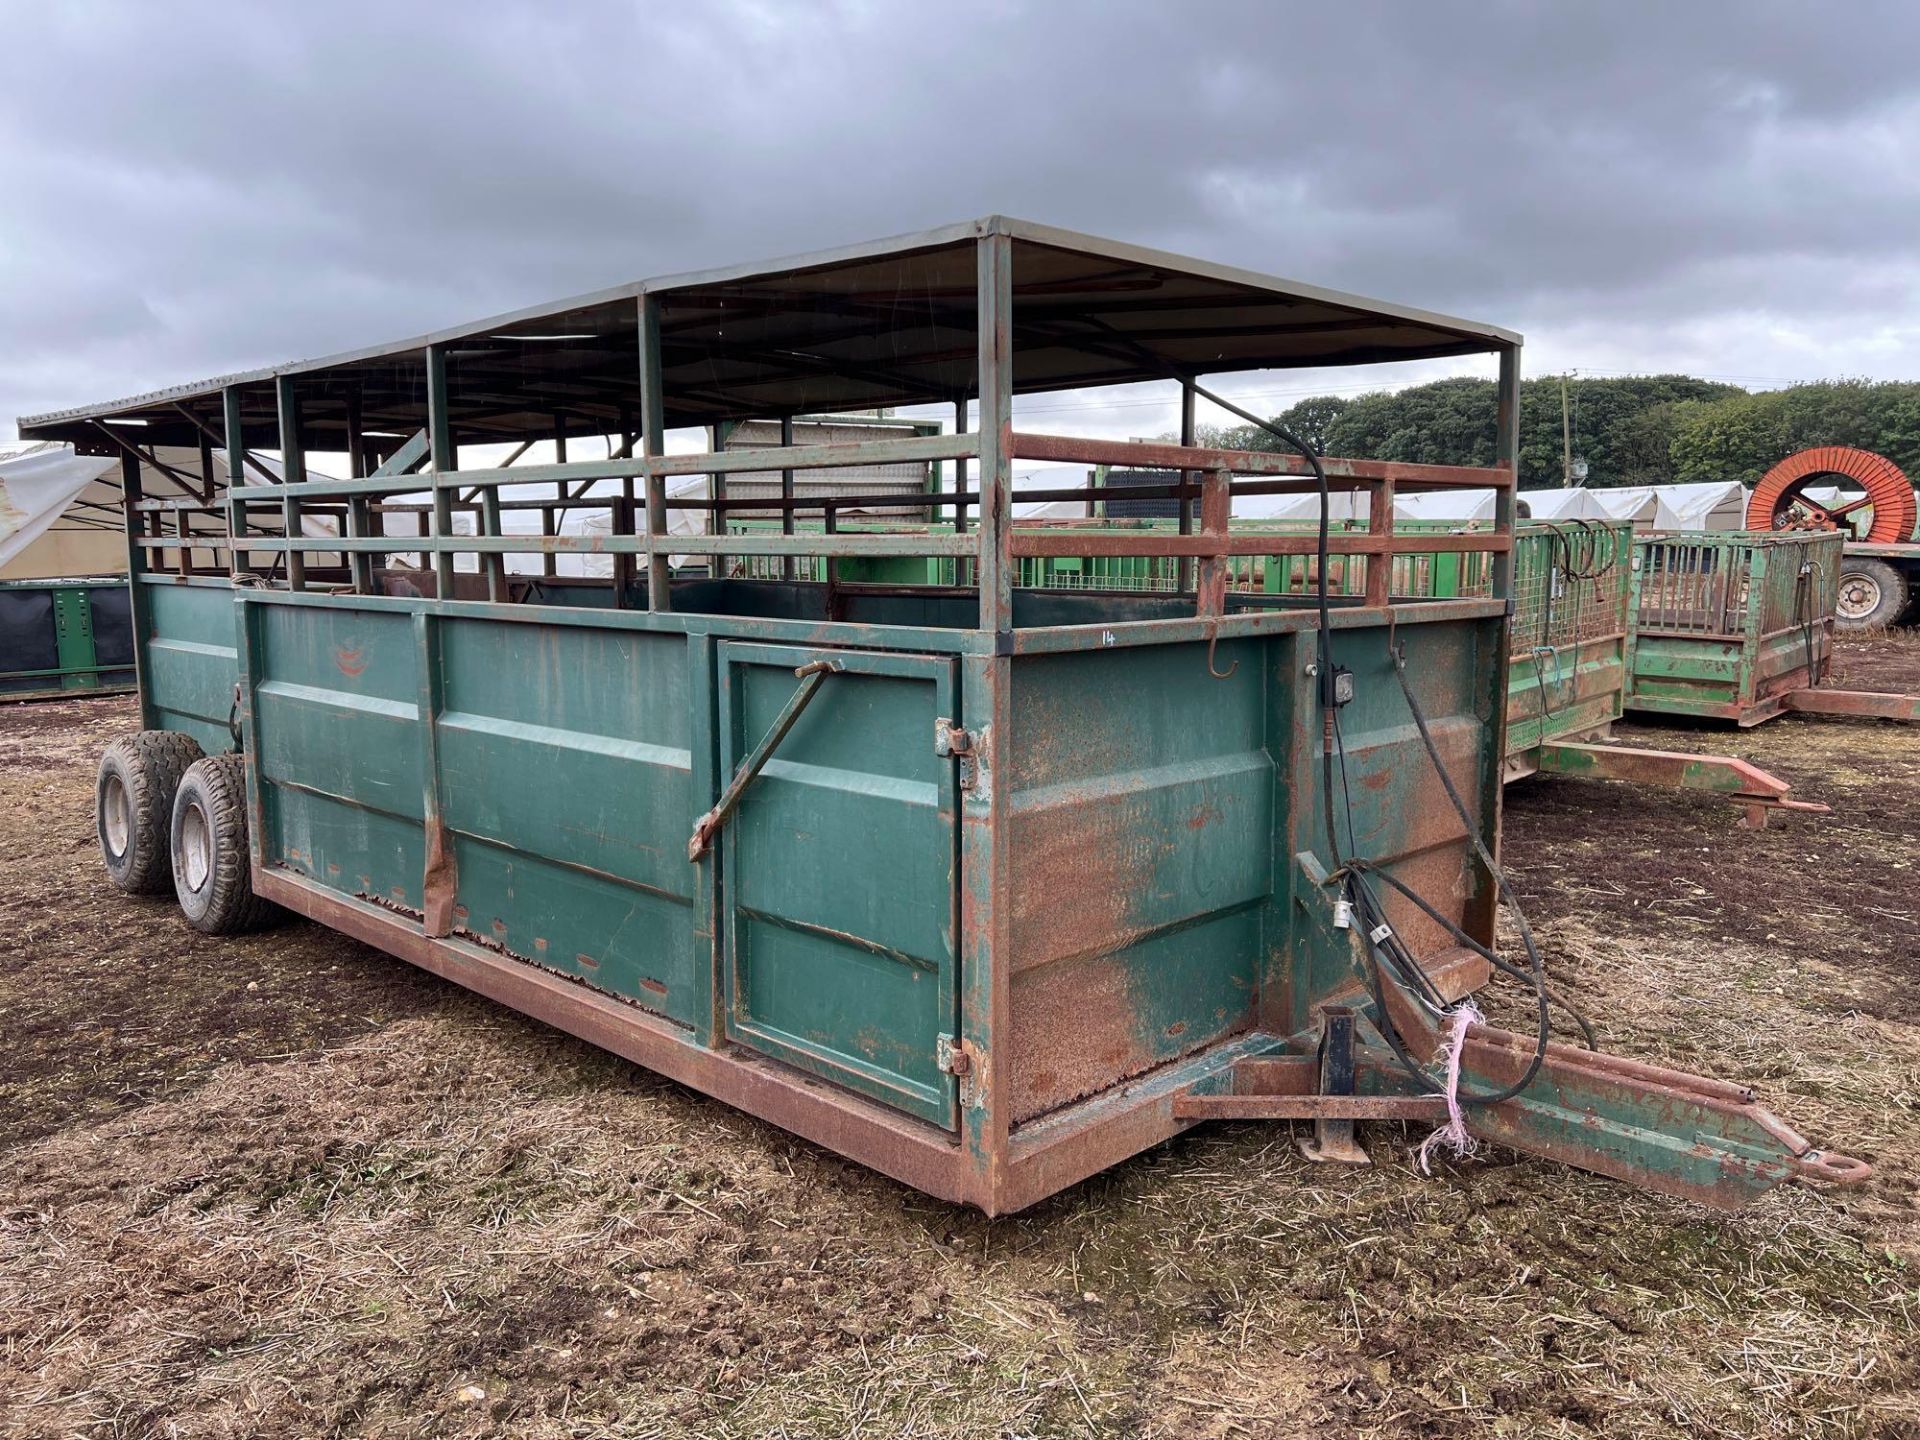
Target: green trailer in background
column 64, row 638
column 1740, row 627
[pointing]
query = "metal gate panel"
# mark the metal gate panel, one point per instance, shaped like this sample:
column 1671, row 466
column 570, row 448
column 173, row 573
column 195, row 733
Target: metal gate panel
column 840, row 871
column 339, row 749
column 566, row 779
column 191, row 657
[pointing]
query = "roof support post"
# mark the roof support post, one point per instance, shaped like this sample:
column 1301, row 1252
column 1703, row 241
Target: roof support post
column 441, row 458
column 131, row 493
column 1480, row 914
column 994, row 288
column 1187, row 397
column 1506, row 452
column 236, row 478
column 786, row 496
column 653, row 442
column 717, row 491
column 960, row 468
column 549, row 522
column 293, row 471
column 359, row 516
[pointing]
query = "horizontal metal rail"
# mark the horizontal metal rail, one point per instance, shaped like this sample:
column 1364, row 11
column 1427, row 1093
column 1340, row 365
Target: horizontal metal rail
column 1041, row 543
column 1069, row 449
column 822, row 543
column 639, row 467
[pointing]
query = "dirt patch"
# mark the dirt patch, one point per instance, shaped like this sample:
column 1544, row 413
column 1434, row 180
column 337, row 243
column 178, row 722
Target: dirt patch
column 350, row 1200
column 112, row 1001
column 1838, row 893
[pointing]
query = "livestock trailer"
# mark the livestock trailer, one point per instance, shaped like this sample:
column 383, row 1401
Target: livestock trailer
column 1740, row 627
column 65, row 637
column 985, row 886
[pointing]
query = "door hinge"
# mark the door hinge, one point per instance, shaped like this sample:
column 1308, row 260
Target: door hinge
column 950, row 739
column 951, row 1055
column 955, row 1057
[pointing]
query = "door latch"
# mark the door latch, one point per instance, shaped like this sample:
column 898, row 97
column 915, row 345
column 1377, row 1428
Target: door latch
column 959, row 743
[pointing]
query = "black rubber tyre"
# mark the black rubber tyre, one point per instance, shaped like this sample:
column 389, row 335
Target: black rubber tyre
column 133, row 807
column 1873, row 595
column 212, row 871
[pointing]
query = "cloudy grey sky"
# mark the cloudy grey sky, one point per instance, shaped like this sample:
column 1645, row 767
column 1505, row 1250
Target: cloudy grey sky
column 194, row 188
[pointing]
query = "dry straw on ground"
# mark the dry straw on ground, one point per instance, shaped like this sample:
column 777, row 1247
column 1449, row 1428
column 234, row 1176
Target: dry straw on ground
column 287, row 1186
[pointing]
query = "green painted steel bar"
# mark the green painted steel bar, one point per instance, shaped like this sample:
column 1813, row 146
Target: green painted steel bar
column 236, row 444
column 293, row 466
column 443, row 458
column 840, row 543
column 411, row 452
column 993, row 571
column 359, row 511
column 905, row 450
column 653, row 445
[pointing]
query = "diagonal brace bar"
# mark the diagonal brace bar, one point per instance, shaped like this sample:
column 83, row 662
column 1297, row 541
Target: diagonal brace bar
column 811, row 675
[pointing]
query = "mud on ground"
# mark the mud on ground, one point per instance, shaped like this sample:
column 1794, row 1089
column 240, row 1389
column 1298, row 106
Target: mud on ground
column 285, row 1185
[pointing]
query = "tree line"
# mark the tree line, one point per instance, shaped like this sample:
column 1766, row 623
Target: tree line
column 1635, row 430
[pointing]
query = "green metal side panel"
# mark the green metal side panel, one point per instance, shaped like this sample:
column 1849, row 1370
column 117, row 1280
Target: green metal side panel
column 1142, row 819
column 840, row 871
column 339, row 748
column 191, row 659
column 567, row 762
column 1399, row 813
column 1567, row 690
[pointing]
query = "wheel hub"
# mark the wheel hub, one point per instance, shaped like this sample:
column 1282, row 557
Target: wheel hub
column 1859, row 596
column 117, row 815
column 196, row 848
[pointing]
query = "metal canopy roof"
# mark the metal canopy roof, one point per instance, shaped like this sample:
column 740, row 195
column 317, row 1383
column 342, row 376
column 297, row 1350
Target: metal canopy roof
column 891, row 322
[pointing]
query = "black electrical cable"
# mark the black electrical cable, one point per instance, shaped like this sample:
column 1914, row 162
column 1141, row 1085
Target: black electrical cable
column 1406, row 967
column 1390, row 948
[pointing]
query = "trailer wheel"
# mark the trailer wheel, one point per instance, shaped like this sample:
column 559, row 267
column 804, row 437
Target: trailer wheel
column 133, row 807
column 1873, row 595
column 212, row 874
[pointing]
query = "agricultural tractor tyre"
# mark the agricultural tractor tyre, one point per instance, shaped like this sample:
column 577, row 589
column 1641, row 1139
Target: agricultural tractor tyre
column 212, row 869
column 133, row 807
column 1873, row 595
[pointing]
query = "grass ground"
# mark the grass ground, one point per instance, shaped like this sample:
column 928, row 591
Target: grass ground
column 285, row 1185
